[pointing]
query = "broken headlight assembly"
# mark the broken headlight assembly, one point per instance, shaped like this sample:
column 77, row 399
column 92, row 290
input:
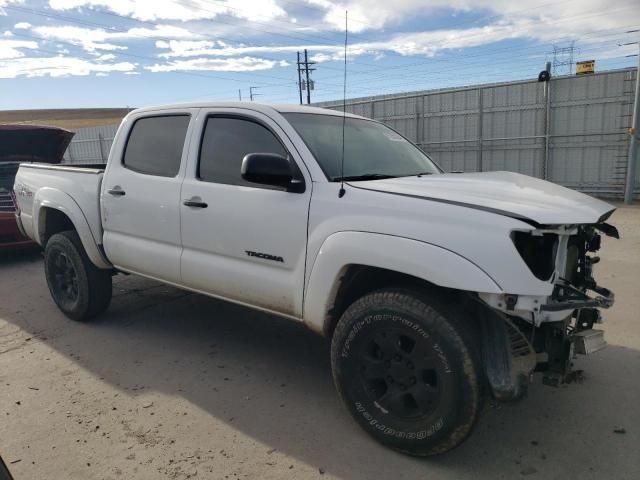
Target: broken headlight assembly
column 538, row 250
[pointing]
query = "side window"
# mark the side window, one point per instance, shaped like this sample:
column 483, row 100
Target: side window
column 155, row 145
column 225, row 143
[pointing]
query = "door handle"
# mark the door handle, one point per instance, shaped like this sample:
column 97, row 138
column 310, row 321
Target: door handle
column 195, row 204
column 117, row 192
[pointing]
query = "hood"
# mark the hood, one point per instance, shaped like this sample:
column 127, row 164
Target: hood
column 33, row 143
column 532, row 200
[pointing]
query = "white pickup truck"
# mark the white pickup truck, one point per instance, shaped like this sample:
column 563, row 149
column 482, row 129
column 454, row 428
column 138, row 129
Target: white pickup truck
column 436, row 289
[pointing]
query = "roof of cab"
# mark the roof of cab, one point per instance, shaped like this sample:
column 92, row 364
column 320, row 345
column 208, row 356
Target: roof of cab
column 256, row 106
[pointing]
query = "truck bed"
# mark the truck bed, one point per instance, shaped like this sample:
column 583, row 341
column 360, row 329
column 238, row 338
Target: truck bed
column 80, row 182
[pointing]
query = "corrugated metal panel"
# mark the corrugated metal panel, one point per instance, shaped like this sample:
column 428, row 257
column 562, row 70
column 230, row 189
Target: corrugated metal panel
column 91, row 145
column 502, row 127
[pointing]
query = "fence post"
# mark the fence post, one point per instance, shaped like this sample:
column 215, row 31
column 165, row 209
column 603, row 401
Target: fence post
column 480, row 127
column 102, row 157
column 547, row 121
column 634, row 148
column 418, row 110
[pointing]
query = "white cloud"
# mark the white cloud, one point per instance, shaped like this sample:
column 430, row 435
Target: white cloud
column 58, row 67
column 180, row 48
column 106, row 56
column 22, row 26
column 4, row 3
column 11, row 48
column 505, row 20
column 99, row 39
column 88, row 39
column 239, row 64
column 376, row 14
column 180, row 9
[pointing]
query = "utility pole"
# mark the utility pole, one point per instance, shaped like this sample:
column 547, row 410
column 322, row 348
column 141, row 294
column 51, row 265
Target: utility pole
column 299, row 79
column 239, row 95
column 634, row 147
column 251, row 94
column 307, row 69
column 306, row 84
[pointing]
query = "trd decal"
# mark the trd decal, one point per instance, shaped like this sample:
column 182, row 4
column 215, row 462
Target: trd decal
column 266, row 256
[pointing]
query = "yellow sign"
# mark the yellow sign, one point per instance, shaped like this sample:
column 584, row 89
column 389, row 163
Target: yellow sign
column 588, row 66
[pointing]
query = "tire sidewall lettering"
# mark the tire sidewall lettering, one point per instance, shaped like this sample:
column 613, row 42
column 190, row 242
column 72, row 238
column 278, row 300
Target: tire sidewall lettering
column 434, row 428
column 415, row 326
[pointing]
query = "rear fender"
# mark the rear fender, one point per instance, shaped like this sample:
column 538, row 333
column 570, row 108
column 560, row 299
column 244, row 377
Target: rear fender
column 57, row 200
column 432, row 263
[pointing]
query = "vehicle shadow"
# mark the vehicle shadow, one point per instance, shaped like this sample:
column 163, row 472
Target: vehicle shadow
column 15, row 256
column 271, row 379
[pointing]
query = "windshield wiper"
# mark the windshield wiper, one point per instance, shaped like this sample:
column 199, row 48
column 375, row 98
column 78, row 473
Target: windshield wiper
column 365, row 176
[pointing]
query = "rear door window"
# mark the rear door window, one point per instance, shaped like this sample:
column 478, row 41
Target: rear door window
column 155, row 145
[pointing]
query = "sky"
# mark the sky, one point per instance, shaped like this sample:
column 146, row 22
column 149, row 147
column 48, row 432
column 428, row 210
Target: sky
column 117, row 53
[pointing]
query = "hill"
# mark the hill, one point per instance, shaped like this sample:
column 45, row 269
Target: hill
column 71, row 119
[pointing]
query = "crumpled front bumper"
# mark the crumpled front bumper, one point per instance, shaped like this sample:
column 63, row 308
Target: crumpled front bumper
column 568, row 297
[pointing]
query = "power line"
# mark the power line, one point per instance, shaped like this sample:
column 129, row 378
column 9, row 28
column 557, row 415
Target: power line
column 485, row 53
column 143, row 57
column 266, row 58
column 112, row 29
column 445, row 73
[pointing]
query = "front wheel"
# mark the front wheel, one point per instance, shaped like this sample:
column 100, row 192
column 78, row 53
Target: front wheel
column 406, row 368
column 79, row 288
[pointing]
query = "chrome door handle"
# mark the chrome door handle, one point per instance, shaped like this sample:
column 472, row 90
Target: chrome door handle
column 195, row 204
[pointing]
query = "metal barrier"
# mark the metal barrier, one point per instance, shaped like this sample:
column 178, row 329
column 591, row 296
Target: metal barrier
column 574, row 133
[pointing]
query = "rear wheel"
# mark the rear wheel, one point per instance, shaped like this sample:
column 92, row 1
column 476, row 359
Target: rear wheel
column 79, row 288
column 407, row 370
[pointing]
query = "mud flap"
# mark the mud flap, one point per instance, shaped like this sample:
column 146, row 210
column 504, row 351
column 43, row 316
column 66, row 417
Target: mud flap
column 508, row 357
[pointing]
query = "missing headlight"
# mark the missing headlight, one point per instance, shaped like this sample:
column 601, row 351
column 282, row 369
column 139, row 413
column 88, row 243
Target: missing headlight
column 538, row 252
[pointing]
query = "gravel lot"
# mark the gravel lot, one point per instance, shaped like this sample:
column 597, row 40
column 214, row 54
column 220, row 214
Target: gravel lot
column 170, row 384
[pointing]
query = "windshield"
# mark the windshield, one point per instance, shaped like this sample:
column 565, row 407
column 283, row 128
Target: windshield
column 371, row 151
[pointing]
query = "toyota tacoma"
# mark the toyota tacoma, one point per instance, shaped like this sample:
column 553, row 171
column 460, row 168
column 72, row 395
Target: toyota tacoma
column 436, row 290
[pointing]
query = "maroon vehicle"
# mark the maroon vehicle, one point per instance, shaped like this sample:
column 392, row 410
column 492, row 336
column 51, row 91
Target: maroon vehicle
column 24, row 143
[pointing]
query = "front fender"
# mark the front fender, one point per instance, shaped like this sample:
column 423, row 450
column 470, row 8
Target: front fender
column 429, row 262
column 47, row 197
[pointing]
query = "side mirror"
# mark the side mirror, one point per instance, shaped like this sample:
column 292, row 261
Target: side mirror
column 267, row 169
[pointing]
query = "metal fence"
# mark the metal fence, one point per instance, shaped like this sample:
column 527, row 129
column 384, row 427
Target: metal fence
column 91, row 145
column 576, row 135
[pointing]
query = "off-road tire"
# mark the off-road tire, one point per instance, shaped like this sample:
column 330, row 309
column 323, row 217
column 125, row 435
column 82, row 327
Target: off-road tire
column 79, row 288
column 374, row 338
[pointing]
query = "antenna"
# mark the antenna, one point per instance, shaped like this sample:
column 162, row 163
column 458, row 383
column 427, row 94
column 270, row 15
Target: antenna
column 344, row 103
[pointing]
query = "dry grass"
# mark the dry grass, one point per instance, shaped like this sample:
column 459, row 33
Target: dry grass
column 71, row 119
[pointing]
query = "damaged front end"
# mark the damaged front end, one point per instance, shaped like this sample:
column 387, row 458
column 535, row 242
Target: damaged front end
column 554, row 327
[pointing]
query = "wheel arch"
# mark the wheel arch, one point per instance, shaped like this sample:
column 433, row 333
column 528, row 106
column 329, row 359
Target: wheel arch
column 351, row 264
column 59, row 212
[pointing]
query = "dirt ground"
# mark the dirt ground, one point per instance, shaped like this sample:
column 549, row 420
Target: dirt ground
column 173, row 385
